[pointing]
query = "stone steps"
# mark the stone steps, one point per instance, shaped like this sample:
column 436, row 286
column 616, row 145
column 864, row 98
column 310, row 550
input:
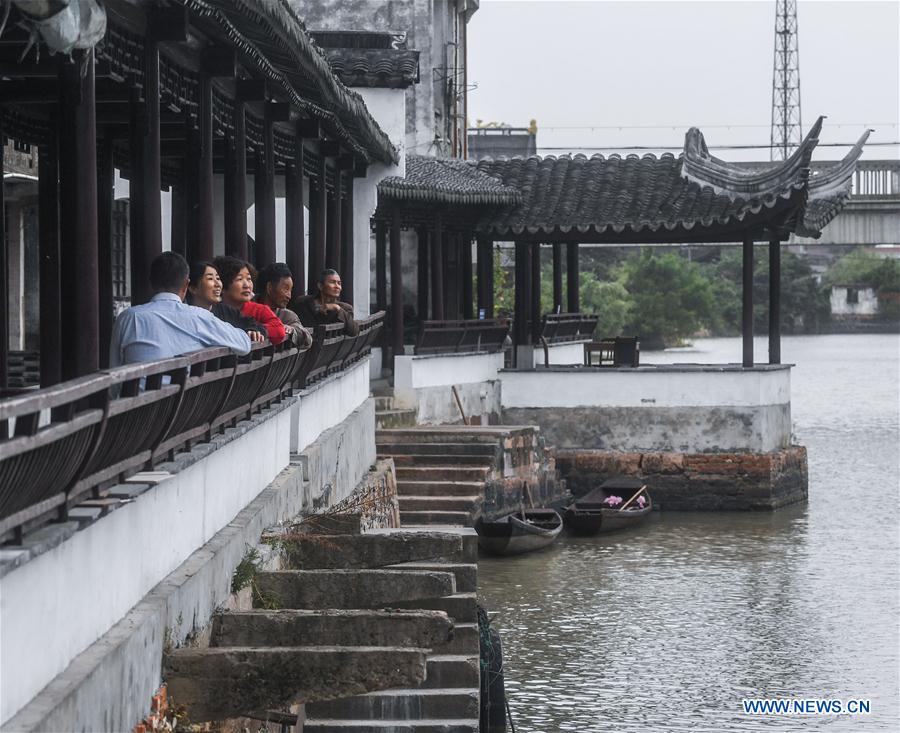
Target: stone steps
column 468, row 504
column 386, row 419
column 451, row 670
column 465, row 640
column 394, row 726
column 404, row 704
column 426, row 447
column 439, row 488
column 461, row 607
column 436, row 459
column 423, row 519
column 465, row 574
column 441, row 473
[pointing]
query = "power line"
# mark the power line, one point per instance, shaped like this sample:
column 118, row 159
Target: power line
column 716, row 147
column 543, row 128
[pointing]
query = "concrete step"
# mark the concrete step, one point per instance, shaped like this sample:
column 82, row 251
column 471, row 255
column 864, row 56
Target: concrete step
column 439, row 504
column 385, row 402
column 441, row 473
column 425, row 519
column 320, row 589
column 228, row 682
column 468, row 536
column 319, row 725
column 332, row 627
column 395, row 419
column 394, row 447
column 408, row 705
column 310, row 552
column 436, row 459
column 465, row 641
column 461, row 607
column 465, row 574
column 440, row 488
column 452, row 670
column 445, row 434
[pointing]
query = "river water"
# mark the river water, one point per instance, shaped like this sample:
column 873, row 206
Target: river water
column 669, row 627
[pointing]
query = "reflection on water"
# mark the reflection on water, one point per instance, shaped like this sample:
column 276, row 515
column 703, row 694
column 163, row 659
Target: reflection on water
column 668, row 627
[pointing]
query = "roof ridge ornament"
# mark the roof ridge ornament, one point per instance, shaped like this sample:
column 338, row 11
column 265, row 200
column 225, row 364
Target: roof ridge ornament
column 727, row 179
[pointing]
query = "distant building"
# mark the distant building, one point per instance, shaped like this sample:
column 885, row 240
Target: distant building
column 854, row 302
column 502, row 142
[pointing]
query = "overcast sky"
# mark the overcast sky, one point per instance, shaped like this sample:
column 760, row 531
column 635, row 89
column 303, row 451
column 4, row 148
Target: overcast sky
column 675, row 64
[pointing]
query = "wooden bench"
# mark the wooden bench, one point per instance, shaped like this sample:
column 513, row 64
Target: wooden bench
column 460, row 337
column 621, row 351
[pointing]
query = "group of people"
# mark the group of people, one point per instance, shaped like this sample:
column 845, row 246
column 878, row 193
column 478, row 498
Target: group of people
column 223, row 302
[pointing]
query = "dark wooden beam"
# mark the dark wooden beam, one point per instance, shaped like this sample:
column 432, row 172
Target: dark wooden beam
column 348, row 253
column 466, row 274
column 437, row 269
column 264, row 188
column 48, row 245
column 380, row 266
column 360, row 167
column 747, row 302
column 329, row 148
column 774, row 301
column 557, row 278
column 522, row 295
column 422, row 284
column 249, row 90
column 235, row 187
column 320, row 215
column 201, row 246
column 534, row 313
column 178, row 229
column 4, row 290
column 573, row 281
column 168, row 24
column 396, row 288
column 278, row 111
column 309, row 129
column 105, row 196
column 485, row 278
column 219, row 61
column 333, row 246
column 294, row 218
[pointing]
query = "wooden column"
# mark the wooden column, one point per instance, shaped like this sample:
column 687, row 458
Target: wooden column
column 422, row 272
column 333, row 244
column 200, row 245
column 314, row 265
column 450, row 251
column 774, row 300
column 48, row 243
column 235, row 187
column 466, row 273
column 522, row 294
column 437, row 270
column 747, row 304
column 78, row 186
column 4, row 286
column 264, row 198
column 293, row 218
column 348, row 258
column 485, row 270
column 535, row 304
column 557, row 278
column 146, row 236
column 319, row 214
column 380, row 266
column 178, row 222
column 573, row 300
column 396, row 288
column 105, row 198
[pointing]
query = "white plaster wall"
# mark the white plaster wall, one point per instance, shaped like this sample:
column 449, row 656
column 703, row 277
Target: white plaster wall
column 570, row 353
column 867, row 304
column 415, row 372
column 647, row 387
column 326, row 404
column 56, row 605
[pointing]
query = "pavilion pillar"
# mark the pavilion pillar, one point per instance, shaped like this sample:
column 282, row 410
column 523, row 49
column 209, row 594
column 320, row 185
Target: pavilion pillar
column 4, row 286
column 235, row 187
column 437, row 270
column 380, row 266
column 48, row 244
column 524, row 350
column 535, row 305
column 319, row 215
column 485, row 277
column 557, row 278
column 573, row 300
column 422, row 272
column 105, row 198
column 178, row 223
column 466, row 272
column 78, row 186
column 333, row 244
column 348, row 255
column 314, row 261
column 200, row 242
column 451, row 275
column 293, row 217
column 747, row 302
column 396, row 288
column 774, row 300
column 264, row 198
column 146, row 235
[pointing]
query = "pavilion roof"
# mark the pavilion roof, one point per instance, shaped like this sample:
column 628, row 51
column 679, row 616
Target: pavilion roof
column 448, row 181
column 271, row 34
column 370, row 59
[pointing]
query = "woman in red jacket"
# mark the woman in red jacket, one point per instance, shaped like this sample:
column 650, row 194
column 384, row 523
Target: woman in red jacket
column 237, row 292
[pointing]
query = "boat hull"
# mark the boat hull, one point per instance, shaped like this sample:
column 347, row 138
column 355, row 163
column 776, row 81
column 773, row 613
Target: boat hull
column 510, row 535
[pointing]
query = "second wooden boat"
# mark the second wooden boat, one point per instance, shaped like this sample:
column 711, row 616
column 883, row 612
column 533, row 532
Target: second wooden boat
column 618, row 503
column 520, row 532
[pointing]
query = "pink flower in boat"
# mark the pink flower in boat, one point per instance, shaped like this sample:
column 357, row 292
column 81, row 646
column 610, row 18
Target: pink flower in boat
column 613, row 500
column 641, row 501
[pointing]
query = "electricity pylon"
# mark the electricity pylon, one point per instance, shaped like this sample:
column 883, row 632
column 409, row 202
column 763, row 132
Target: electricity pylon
column 786, row 121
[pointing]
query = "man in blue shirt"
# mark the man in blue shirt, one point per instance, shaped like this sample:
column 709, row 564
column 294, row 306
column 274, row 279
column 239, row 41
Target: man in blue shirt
column 166, row 326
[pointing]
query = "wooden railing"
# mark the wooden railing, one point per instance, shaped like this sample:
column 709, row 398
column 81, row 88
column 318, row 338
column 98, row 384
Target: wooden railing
column 69, row 443
column 456, row 337
column 560, row 328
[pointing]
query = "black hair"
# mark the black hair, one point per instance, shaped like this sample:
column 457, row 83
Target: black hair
column 229, row 267
column 274, row 273
column 327, row 272
column 198, row 270
column 168, row 272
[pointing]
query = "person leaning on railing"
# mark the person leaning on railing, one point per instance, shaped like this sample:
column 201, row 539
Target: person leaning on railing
column 167, row 327
column 205, row 291
column 274, row 286
column 325, row 307
column 237, row 292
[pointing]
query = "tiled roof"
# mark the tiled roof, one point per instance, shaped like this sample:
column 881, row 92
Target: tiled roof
column 446, row 181
column 375, row 67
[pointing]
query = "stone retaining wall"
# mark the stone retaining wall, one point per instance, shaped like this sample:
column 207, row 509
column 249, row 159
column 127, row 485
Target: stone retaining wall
column 696, row 481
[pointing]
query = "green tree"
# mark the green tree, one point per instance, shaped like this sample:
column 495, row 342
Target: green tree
column 865, row 268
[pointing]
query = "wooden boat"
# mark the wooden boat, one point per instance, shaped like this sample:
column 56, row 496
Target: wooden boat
column 524, row 531
column 592, row 513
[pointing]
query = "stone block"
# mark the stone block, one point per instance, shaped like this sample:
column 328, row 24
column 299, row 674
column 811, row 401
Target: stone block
column 220, row 683
column 466, row 574
column 412, row 705
column 316, row 589
column 452, row 670
column 461, row 607
column 332, row 627
column 655, row 463
column 367, row 550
